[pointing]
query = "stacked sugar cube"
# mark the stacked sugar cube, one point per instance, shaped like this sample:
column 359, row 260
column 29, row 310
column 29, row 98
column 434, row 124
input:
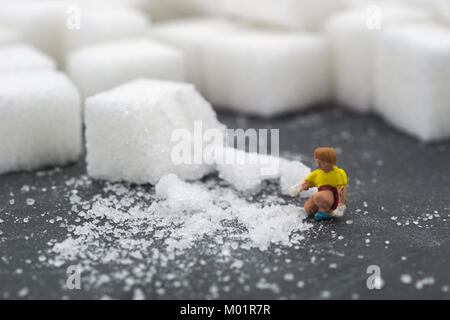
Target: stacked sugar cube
column 354, row 43
column 40, row 122
column 264, row 72
column 101, row 67
column 412, row 80
column 8, row 36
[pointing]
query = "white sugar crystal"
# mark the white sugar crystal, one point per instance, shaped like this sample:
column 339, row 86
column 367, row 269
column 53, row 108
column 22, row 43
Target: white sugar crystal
column 353, row 65
column 23, row 292
column 129, row 131
column 290, row 71
column 105, row 24
column 190, row 36
column 126, row 60
column 37, row 22
column 245, row 171
column 427, row 281
column 299, row 14
column 406, row 278
column 412, row 79
column 22, row 57
column 138, row 294
column 182, row 195
column 206, row 209
column 8, row 36
column 291, row 173
column 40, row 121
column 288, row 277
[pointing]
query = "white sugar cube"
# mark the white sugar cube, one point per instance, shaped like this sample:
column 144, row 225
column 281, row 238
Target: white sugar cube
column 134, row 130
column 190, row 36
column 101, row 67
column 40, row 121
column 136, row 4
column 299, row 14
column 37, row 22
column 8, row 36
column 103, row 24
column 412, row 80
column 161, row 10
column 265, row 73
column 22, row 57
column 442, row 9
column 354, row 37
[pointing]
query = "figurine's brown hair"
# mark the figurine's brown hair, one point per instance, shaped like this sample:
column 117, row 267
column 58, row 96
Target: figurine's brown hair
column 326, row 154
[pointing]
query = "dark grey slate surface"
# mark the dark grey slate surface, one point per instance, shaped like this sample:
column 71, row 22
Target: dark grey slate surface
column 390, row 175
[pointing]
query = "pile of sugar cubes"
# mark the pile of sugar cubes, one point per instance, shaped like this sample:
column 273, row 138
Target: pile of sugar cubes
column 131, row 72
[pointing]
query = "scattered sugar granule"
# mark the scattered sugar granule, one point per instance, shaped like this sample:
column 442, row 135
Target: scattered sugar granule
column 237, row 264
column 333, row 265
column 427, row 281
column 30, row 202
column 288, row 277
column 138, row 294
column 406, row 278
column 325, row 294
column 23, row 292
column 300, row 284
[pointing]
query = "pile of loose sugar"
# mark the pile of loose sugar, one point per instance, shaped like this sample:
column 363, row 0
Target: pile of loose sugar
column 131, row 233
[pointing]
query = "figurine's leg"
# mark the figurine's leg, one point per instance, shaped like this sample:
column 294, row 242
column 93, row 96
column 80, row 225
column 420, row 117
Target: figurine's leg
column 310, row 206
column 324, row 201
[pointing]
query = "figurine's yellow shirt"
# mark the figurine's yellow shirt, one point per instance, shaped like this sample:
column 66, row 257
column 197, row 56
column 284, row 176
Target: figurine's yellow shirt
column 336, row 178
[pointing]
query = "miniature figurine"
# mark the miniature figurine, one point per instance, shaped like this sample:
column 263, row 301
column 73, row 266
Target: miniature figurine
column 331, row 182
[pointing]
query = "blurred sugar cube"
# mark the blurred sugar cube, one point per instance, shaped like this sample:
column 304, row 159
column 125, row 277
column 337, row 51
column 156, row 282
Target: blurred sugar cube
column 353, row 37
column 103, row 66
column 40, row 121
column 297, row 14
column 37, row 22
column 190, row 36
column 100, row 25
column 8, row 36
column 265, row 72
column 412, row 80
column 129, row 130
column 22, row 57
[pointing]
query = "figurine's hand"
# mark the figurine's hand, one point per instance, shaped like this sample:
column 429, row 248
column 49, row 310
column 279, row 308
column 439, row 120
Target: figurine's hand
column 305, row 185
